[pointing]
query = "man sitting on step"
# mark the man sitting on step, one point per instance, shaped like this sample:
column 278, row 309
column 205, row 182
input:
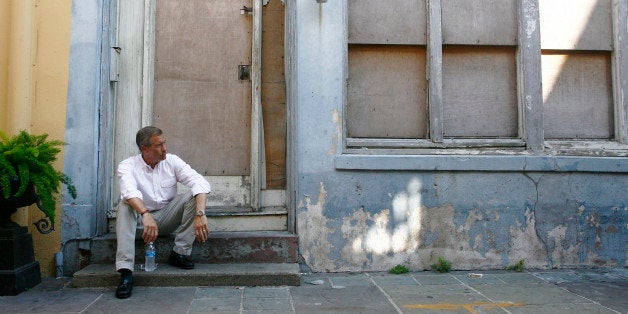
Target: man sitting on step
column 148, row 189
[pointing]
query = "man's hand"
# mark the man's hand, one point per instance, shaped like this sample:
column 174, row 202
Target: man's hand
column 150, row 228
column 201, row 228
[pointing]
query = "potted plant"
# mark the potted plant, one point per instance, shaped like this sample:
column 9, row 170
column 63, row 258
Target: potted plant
column 27, row 175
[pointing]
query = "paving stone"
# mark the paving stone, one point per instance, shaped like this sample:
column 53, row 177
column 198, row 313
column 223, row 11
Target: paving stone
column 486, row 279
column 218, row 293
column 355, row 299
column 267, row 312
column 519, row 278
column 558, row 276
column 443, row 300
column 440, row 279
column 49, row 301
column 395, row 291
column 530, row 294
column 267, row 304
column 395, row 280
column 145, row 300
column 267, row 292
column 458, row 310
column 210, row 305
column 610, row 294
column 603, row 276
column 563, row 308
column 450, row 302
column 351, row 280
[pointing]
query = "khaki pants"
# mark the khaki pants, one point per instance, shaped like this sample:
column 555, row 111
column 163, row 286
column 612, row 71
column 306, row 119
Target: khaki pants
column 179, row 213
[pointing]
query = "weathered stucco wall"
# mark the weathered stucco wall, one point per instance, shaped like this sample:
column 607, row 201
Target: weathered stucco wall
column 88, row 95
column 34, row 49
column 351, row 220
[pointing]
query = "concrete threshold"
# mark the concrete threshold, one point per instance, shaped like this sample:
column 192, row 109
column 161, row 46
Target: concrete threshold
column 234, row 274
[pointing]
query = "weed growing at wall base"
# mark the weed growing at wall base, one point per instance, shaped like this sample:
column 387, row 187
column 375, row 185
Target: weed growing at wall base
column 443, row 265
column 519, row 267
column 399, row 269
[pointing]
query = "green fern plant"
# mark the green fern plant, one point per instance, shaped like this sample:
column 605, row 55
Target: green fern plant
column 28, row 158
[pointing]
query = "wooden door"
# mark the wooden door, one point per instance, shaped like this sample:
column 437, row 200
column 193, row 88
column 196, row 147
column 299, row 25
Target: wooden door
column 201, row 100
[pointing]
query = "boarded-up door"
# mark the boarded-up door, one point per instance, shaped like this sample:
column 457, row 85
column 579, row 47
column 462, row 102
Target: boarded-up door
column 200, row 100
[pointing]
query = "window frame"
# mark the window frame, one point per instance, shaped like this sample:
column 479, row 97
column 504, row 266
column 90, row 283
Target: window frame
column 531, row 139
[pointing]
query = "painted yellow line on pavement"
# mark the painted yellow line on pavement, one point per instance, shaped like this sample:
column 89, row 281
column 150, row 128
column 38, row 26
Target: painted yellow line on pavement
column 467, row 306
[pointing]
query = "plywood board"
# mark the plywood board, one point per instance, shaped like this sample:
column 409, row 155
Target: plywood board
column 576, row 24
column 274, row 94
column 577, row 95
column 386, row 92
column 479, row 92
column 479, row 22
column 387, row 22
column 198, row 100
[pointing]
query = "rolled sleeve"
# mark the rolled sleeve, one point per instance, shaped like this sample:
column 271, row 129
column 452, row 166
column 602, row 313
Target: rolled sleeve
column 202, row 186
column 128, row 184
column 189, row 177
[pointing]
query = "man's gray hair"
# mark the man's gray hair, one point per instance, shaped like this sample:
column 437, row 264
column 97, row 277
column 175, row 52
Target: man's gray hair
column 142, row 138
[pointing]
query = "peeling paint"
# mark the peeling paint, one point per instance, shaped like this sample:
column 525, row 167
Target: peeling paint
column 487, row 236
column 336, row 117
column 313, row 231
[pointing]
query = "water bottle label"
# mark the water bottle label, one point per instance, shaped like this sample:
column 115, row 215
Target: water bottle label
column 150, row 254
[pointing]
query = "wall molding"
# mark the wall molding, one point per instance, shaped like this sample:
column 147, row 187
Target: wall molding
column 481, row 163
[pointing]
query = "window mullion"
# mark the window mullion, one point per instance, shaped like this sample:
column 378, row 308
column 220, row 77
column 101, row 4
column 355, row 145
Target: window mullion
column 435, row 70
column 620, row 69
column 529, row 75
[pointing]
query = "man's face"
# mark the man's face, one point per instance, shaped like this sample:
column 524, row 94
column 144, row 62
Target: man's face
column 156, row 152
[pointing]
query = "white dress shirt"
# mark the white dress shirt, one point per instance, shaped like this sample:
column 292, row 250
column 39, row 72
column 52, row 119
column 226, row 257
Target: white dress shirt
column 157, row 187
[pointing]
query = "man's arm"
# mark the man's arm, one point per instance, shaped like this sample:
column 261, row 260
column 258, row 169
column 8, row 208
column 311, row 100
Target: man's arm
column 150, row 226
column 201, row 226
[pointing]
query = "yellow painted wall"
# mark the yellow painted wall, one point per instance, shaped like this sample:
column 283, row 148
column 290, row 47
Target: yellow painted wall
column 5, row 26
column 34, row 56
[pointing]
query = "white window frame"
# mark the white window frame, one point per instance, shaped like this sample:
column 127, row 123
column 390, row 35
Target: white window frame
column 531, row 140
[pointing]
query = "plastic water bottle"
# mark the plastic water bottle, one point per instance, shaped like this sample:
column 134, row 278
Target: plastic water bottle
column 149, row 262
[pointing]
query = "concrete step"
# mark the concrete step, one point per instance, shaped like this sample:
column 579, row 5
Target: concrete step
column 222, row 247
column 225, row 218
column 244, row 219
column 242, row 274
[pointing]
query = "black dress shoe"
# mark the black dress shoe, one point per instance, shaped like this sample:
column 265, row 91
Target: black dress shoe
column 125, row 288
column 181, row 261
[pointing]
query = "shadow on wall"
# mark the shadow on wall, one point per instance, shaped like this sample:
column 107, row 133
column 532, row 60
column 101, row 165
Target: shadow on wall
column 577, row 43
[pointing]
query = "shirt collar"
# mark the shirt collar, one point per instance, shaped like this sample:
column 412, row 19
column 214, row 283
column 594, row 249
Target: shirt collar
column 143, row 164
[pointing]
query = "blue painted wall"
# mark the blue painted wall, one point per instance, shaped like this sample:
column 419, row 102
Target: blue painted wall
column 559, row 212
column 80, row 215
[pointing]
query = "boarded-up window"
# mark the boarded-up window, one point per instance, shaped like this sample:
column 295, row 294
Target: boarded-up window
column 479, row 78
column 577, row 95
column 479, row 22
column 386, row 80
column 386, row 92
column 387, row 22
column 387, row 84
column 576, row 38
column 479, row 91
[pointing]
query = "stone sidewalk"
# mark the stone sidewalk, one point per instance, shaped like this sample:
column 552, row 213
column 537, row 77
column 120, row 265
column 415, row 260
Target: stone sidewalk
column 542, row 291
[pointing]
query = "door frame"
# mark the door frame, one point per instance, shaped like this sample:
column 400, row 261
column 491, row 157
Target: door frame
column 132, row 62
